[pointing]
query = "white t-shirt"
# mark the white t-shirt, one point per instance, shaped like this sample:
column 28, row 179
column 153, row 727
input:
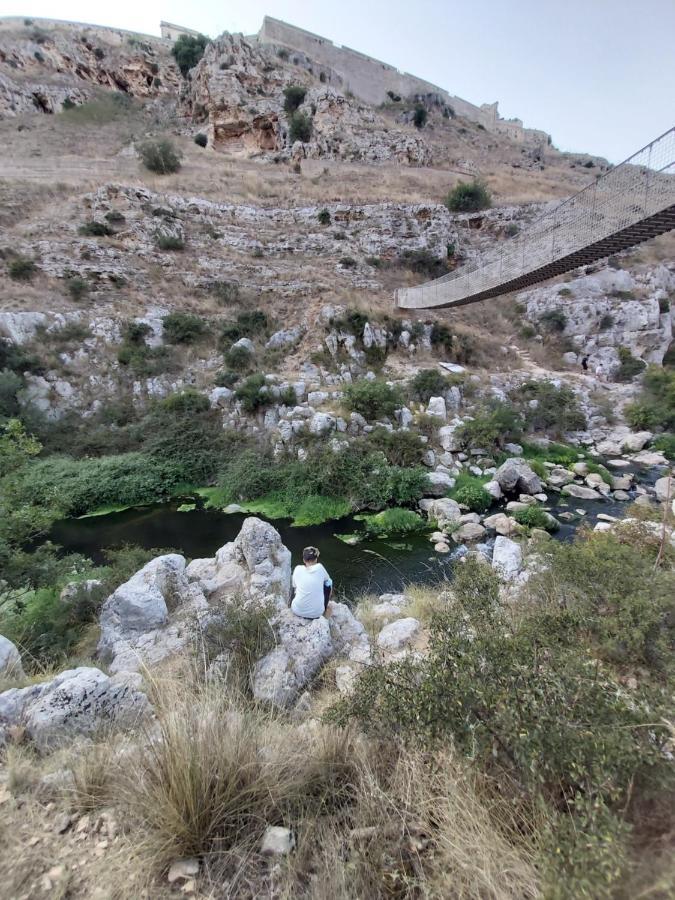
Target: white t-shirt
column 309, row 583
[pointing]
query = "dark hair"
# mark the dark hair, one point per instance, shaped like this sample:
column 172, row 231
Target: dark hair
column 310, row 554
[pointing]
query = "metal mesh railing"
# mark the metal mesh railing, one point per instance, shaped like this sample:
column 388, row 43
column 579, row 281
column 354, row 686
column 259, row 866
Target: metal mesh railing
column 632, row 192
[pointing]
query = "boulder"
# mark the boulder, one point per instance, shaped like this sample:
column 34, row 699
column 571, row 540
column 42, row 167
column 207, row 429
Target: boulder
column 322, row 423
column 266, row 562
column 493, row 488
column 444, row 511
column 448, row 438
column 438, row 484
column 516, row 475
column 469, row 532
column 78, row 701
column 637, row 440
column 507, row 559
column 284, row 340
column 436, row 407
column 662, row 489
column 10, row 659
column 303, row 646
column 580, row 492
column 398, row 634
column 76, row 589
column 502, row 524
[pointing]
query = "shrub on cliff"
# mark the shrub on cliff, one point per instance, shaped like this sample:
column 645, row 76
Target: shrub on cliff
column 160, row 156
column 469, row 196
column 21, row 268
column 655, row 407
column 420, row 116
column 183, row 328
column 299, row 127
column 188, row 50
column 428, row 383
column 294, row 95
column 545, row 406
column 629, row 365
column 372, row 399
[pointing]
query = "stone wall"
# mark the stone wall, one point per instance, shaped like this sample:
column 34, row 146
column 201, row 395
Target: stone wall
column 370, row 79
column 171, row 32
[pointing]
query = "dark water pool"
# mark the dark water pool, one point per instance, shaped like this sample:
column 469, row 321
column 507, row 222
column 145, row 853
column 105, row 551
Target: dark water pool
column 369, row 567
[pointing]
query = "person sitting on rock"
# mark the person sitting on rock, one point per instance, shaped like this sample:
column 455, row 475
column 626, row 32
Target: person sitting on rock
column 311, row 586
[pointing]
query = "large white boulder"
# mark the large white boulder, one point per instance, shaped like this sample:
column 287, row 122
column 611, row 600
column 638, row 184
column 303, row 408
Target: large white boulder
column 436, row 408
column 663, row 490
column 258, row 548
column 516, row 475
column 507, row 559
column 398, row 634
column 78, row 701
column 444, row 511
column 580, row 492
column 438, row 484
column 10, row 659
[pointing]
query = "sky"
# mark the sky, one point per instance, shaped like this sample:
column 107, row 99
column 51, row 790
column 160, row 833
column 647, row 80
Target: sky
column 598, row 75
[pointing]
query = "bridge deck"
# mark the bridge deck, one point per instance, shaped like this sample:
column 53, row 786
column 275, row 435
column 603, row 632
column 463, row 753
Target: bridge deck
column 632, row 203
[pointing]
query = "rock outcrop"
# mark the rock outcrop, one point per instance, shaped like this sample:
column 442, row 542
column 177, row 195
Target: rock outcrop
column 78, row 701
column 10, row 659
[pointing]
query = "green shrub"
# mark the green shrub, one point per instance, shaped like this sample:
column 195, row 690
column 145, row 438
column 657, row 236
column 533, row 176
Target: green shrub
column 553, row 320
column 535, row 517
column 353, row 321
column 665, row 443
column 160, row 156
column 299, row 127
column 372, row 399
column 169, row 241
column 114, row 217
column 393, row 521
column 253, row 393
column 664, row 304
column 556, row 408
column 10, row 385
column 188, row 50
column 423, row 262
column 226, row 379
column 655, row 408
column 629, row 366
column 607, row 321
column 95, row 229
column 21, row 268
column 420, row 116
column 183, row 328
column 323, row 217
column 402, row 448
column 428, row 383
column 252, row 324
column 347, row 262
column 77, row 288
column 469, row 197
column 201, row 139
column 294, row 96
column 498, row 424
column 239, row 359
column 469, row 491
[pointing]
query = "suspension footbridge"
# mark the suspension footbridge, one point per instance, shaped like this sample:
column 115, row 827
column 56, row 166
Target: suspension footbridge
column 633, row 202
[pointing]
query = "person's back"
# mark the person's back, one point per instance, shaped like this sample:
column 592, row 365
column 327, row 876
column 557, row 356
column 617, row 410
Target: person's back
column 311, row 586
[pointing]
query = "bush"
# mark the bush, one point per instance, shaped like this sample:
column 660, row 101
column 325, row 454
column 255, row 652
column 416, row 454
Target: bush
column 402, row 448
column 201, row 139
column 469, row 197
column 252, row 324
column 169, row 241
column 535, row 517
column 95, row 229
column 423, row 262
column 553, row 320
column 226, row 379
column 239, row 359
column 188, row 50
column 372, row 399
column 324, row 217
column 21, row 268
column 543, row 407
column 469, row 491
column 299, row 127
column 665, row 443
column 655, row 407
column 253, row 393
column 490, row 429
column 607, row 321
column 393, row 521
column 428, row 383
column 294, row 96
column 183, row 328
column 160, row 156
column 420, row 116
column 226, row 292
column 77, row 288
column 10, row 385
column 629, row 366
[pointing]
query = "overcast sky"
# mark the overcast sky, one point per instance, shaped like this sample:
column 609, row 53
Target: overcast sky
column 598, row 75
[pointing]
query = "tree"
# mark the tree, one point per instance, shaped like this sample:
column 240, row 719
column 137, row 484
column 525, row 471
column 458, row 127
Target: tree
column 188, row 50
column 469, row 196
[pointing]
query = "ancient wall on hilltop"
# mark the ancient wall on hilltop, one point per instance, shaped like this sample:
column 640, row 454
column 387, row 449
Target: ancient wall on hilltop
column 370, row 79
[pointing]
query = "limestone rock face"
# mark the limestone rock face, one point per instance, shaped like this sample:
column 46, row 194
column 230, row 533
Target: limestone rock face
column 516, row 475
column 398, row 634
column 77, row 702
column 10, row 659
column 259, row 549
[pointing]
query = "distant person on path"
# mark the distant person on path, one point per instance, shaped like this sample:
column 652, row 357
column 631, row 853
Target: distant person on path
column 600, row 372
column 311, row 586
column 584, row 364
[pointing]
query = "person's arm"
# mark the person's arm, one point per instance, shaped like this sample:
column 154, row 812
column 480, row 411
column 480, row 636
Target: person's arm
column 292, row 587
column 327, row 590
